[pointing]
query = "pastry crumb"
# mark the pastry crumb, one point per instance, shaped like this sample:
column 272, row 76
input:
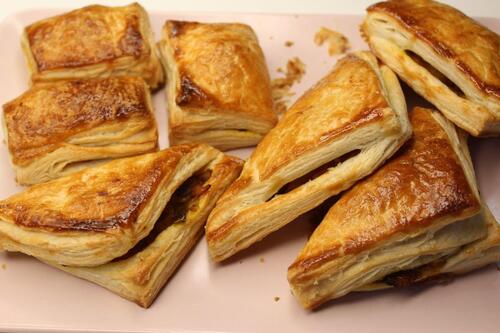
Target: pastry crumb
column 241, row 261
column 295, row 70
column 4, row 266
column 289, row 43
column 262, row 259
column 276, row 298
column 271, row 37
column 337, row 43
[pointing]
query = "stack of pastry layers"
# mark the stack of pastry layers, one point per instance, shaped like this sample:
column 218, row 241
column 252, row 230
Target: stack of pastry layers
column 408, row 209
column 123, row 223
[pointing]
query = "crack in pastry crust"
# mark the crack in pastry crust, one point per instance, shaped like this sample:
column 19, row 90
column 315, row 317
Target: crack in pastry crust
column 144, row 270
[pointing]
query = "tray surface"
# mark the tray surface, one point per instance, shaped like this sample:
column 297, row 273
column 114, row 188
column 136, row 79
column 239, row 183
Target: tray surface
column 239, row 296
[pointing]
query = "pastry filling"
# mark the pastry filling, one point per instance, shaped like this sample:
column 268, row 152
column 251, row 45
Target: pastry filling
column 435, row 72
column 184, row 200
column 292, row 185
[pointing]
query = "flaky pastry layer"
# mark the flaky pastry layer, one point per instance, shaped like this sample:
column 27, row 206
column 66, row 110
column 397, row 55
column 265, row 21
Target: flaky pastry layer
column 218, row 90
column 455, row 66
column 55, row 129
column 348, row 124
column 96, row 215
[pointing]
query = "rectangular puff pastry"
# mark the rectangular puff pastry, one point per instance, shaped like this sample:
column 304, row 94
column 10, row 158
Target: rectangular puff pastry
column 445, row 56
column 96, row 215
column 338, row 132
column 57, row 128
column 420, row 206
column 143, row 270
column 94, row 41
column 218, row 89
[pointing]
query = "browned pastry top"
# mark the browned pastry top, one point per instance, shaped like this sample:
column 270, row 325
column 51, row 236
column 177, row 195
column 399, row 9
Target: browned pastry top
column 91, row 35
column 474, row 49
column 422, row 183
column 221, row 66
column 322, row 115
column 95, row 199
column 46, row 115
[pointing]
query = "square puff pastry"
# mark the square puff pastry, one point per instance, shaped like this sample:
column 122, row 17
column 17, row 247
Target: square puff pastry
column 141, row 273
column 421, row 206
column 94, row 41
column 94, row 216
column 218, row 89
column 454, row 66
column 57, row 128
column 338, row 132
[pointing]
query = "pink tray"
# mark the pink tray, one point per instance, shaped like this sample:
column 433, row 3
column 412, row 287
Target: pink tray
column 239, row 296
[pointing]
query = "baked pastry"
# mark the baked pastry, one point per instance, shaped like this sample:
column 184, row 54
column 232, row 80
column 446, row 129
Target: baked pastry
column 454, row 66
column 478, row 254
column 99, row 214
column 420, row 206
column 143, row 270
column 94, row 41
column 338, row 132
column 472, row 256
column 57, row 128
column 218, row 89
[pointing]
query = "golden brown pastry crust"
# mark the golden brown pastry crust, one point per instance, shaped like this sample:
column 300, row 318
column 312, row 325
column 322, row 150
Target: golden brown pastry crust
column 425, row 185
column 141, row 273
column 93, row 41
column 219, row 88
column 356, row 107
column 66, row 122
column 465, row 52
column 96, row 215
column 472, row 47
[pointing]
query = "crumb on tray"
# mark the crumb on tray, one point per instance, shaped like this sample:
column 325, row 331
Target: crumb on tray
column 262, row 259
column 4, row 266
column 289, row 43
column 276, row 298
column 337, row 43
column 280, row 86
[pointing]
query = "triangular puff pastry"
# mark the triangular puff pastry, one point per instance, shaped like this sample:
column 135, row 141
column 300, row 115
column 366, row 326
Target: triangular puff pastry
column 445, row 56
column 421, row 206
column 141, row 273
column 93, row 41
column 58, row 128
column 98, row 214
column 218, row 89
column 339, row 131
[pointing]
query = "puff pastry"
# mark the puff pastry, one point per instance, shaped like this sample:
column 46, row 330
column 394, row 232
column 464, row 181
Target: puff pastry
column 141, row 273
column 455, row 66
column 339, row 131
column 218, row 89
column 57, row 128
column 94, row 41
column 96, row 215
column 421, row 206
column 471, row 256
